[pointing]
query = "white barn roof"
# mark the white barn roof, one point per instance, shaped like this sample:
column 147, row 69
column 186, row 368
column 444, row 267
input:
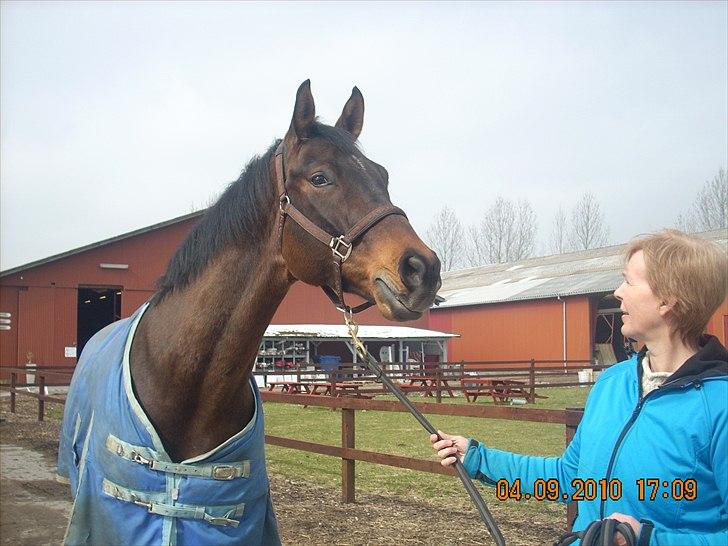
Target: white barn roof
column 340, row 332
column 574, row 273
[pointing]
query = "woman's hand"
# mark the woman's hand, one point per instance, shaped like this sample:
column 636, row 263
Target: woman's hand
column 449, row 447
column 636, row 527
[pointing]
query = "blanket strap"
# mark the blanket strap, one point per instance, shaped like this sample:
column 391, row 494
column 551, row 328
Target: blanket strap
column 176, row 511
column 145, row 456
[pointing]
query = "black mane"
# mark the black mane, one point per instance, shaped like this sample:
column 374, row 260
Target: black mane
column 237, row 215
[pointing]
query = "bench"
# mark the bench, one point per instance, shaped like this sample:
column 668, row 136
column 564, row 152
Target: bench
column 427, row 385
column 502, row 390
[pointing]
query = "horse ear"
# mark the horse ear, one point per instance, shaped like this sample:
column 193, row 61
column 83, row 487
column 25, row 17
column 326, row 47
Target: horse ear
column 304, row 112
column 352, row 117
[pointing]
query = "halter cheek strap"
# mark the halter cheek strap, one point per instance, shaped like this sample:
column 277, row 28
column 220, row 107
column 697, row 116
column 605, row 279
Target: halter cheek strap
column 340, row 245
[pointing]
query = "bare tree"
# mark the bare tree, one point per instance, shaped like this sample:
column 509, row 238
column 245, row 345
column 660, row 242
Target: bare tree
column 710, row 208
column 587, row 224
column 445, row 236
column 559, row 241
column 506, row 232
column 525, row 241
column 476, row 254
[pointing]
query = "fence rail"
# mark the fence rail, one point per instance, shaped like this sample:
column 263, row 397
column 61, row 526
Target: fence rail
column 40, row 380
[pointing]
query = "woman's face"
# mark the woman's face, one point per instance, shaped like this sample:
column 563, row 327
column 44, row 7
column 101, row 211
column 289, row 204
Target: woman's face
column 644, row 314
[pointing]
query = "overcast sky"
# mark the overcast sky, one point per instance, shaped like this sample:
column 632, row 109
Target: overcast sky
column 115, row 116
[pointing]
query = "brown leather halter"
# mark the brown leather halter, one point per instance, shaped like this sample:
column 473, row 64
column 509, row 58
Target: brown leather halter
column 341, row 245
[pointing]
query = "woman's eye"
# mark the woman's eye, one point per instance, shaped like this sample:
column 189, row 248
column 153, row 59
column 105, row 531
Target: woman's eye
column 319, row 180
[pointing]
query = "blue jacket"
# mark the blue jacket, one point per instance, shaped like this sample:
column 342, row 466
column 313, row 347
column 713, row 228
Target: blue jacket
column 675, row 433
column 126, row 488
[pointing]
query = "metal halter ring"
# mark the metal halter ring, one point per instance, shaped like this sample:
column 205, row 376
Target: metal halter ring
column 337, row 243
column 283, row 202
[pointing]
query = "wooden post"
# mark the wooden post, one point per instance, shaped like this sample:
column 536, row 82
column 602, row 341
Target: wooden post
column 532, row 379
column 572, row 418
column 13, row 385
column 438, row 383
column 41, row 394
column 347, row 465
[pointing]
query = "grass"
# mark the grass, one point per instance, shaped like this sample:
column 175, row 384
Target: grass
column 400, row 434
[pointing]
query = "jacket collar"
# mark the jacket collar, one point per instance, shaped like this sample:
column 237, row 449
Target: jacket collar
column 711, row 360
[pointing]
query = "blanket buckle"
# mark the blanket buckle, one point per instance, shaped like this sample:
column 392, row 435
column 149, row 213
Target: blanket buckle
column 136, row 500
column 224, row 472
column 137, row 458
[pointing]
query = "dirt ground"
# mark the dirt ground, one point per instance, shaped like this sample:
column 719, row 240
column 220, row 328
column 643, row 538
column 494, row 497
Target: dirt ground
column 34, row 507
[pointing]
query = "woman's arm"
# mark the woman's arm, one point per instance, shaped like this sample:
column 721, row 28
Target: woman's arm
column 491, row 465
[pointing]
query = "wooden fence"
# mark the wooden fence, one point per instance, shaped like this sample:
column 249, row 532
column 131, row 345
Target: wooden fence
column 436, row 378
column 44, row 377
column 347, row 452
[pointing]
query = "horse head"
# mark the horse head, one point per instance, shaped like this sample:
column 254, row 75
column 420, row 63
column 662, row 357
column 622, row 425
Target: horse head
column 334, row 185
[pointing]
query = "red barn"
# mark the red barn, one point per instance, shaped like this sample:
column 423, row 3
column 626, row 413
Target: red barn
column 548, row 308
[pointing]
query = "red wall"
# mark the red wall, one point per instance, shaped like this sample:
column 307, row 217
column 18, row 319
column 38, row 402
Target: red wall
column 717, row 324
column 518, row 330
column 43, row 299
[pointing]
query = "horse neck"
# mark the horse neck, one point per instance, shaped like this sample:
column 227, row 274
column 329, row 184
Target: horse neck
column 214, row 327
column 194, row 350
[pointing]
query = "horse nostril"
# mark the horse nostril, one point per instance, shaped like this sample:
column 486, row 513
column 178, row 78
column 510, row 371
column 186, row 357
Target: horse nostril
column 412, row 270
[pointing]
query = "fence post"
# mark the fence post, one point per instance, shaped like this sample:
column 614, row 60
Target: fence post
column 532, row 378
column 41, row 394
column 13, row 385
column 347, row 465
column 438, row 383
column 572, row 417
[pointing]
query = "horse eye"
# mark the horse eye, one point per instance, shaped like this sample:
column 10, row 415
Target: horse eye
column 319, row 180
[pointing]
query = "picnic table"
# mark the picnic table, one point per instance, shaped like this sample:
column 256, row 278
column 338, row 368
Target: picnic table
column 345, row 388
column 502, row 390
column 290, row 387
column 427, row 384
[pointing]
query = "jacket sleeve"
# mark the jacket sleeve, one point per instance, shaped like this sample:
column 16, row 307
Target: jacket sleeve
column 491, row 465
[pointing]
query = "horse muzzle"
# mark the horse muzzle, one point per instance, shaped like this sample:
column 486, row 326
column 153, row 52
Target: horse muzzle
column 415, row 291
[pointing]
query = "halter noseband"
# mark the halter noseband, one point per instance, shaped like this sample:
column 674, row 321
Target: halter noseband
column 340, row 245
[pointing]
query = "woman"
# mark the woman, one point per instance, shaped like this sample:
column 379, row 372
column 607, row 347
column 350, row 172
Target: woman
column 654, row 426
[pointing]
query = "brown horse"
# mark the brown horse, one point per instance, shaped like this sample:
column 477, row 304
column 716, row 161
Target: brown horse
column 195, row 346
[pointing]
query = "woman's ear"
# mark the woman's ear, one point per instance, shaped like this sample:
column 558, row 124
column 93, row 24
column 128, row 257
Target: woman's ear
column 666, row 307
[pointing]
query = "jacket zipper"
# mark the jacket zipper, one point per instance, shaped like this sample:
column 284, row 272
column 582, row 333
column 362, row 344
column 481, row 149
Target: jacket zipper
column 625, row 429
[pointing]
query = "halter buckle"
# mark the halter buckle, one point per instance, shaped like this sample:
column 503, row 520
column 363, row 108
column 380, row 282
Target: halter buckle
column 337, row 243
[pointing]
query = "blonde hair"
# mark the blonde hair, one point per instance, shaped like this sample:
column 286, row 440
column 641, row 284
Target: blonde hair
column 687, row 271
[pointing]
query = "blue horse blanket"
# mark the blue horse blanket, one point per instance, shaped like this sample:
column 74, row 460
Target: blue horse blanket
column 126, row 488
